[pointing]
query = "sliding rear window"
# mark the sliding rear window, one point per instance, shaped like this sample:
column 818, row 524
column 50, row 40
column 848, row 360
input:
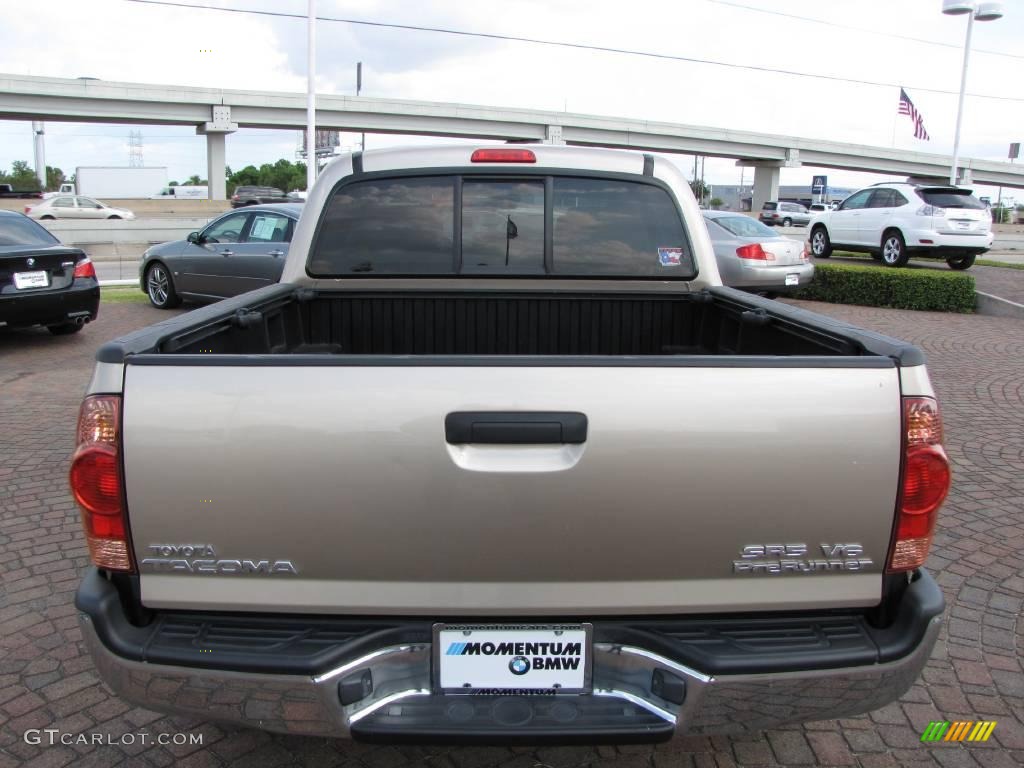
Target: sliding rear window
column 533, row 226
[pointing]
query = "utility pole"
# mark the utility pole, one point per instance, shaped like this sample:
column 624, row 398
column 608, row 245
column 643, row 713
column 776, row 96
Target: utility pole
column 311, row 99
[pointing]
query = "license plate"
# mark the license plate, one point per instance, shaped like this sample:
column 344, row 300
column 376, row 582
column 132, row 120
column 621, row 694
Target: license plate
column 31, row 280
column 792, row 279
column 531, row 659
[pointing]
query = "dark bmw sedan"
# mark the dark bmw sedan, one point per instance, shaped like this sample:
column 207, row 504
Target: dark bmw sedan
column 41, row 281
column 237, row 252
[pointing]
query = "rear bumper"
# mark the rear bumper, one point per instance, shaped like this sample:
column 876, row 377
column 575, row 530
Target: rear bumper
column 772, row 278
column 377, row 686
column 947, row 244
column 79, row 302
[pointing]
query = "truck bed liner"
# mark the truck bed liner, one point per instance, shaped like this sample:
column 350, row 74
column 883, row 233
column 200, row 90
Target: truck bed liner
column 303, row 323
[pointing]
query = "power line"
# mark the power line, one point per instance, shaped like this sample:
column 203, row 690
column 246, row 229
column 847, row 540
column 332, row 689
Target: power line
column 860, row 29
column 578, row 46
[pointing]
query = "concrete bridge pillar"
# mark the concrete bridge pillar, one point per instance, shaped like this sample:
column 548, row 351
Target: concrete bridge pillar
column 766, row 186
column 216, row 132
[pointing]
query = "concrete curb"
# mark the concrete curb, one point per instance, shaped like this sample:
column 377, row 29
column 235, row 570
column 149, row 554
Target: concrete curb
column 987, row 304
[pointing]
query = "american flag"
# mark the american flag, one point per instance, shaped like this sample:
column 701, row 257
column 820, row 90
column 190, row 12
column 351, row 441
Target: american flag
column 907, row 108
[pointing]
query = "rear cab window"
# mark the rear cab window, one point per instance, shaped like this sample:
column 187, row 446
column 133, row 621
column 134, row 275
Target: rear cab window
column 480, row 224
column 769, row 206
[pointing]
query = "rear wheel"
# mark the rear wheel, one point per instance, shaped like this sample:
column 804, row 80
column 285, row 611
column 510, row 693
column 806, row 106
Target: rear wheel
column 961, row 262
column 787, row 222
column 821, row 246
column 160, row 287
column 894, row 249
column 66, row 329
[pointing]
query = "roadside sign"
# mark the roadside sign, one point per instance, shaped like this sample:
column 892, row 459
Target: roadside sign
column 819, row 185
column 1015, row 150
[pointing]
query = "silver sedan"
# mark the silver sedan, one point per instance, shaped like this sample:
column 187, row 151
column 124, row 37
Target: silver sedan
column 76, row 207
column 752, row 257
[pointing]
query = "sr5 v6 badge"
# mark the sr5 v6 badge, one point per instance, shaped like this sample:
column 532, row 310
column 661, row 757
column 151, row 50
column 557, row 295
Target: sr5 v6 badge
column 793, row 558
column 202, row 558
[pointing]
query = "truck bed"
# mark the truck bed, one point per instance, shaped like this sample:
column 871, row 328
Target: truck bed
column 330, row 327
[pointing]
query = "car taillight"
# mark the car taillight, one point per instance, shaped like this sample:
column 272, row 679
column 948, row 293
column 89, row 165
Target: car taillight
column 775, row 215
column 97, row 485
column 28, row 208
column 924, row 483
column 85, row 268
column 754, row 252
column 931, row 210
column 503, row 156
column 805, row 254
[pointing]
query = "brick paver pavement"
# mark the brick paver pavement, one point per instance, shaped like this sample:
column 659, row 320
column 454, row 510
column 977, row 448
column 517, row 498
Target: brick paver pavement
column 47, row 680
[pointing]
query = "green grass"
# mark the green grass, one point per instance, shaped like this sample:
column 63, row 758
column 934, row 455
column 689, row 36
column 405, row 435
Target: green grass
column 123, row 294
column 1003, row 264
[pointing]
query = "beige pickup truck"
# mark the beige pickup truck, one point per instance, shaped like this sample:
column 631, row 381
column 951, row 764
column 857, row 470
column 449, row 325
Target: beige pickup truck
column 500, row 459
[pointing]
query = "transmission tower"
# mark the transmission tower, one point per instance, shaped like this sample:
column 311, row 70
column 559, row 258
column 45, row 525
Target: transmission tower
column 135, row 149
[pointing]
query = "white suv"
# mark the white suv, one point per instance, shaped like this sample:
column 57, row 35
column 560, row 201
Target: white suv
column 893, row 222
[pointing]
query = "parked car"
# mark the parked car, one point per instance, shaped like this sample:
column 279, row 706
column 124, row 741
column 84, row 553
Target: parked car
column 894, row 221
column 814, row 208
column 752, row 257
column 236, row 252
column 257, row 195
column 784, row 215
column 75, row 207
column 500, row 458
column 41, row 281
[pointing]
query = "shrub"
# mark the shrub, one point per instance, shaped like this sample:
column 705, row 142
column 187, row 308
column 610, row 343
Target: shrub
column 923, row 289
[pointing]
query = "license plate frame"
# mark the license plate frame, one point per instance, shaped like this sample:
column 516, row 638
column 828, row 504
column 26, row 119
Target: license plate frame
column 793, row 279
column 498, row 679
column 28, row 280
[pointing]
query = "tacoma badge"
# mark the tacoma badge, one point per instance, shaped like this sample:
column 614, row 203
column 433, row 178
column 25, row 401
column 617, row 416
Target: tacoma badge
column 202, row 558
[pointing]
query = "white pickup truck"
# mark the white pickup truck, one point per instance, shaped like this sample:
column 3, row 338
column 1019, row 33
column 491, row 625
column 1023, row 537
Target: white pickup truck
column 500, row 459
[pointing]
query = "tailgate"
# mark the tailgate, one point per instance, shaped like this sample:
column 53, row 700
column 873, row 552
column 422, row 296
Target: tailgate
column 334, row 489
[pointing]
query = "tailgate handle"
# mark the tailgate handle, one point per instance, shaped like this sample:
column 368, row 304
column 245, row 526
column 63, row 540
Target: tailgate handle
column 515, row 427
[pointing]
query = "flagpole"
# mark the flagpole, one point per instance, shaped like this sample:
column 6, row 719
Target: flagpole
column 894, row 121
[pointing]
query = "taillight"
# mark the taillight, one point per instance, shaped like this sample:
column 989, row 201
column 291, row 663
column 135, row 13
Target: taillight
column 85, row 268
column 805, row 254
column 503, row 156
column 754, row 252
column 97, row 485
column 931, row 210
column 28, row 208
column 924, row 483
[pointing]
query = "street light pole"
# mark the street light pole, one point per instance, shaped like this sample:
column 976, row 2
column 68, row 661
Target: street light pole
column 311, row 99
column 960, row 103
column 976, row 11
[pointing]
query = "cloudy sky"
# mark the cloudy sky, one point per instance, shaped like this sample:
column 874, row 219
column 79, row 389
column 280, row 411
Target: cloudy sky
column 907, row 43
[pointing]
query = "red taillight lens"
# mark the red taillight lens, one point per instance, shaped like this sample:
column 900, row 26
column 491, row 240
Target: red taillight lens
column 96, row 482
column 754, row 252
column 805, row 254
column 85, row 268
column 923, row 486
column 503, row 156
column 28, row 208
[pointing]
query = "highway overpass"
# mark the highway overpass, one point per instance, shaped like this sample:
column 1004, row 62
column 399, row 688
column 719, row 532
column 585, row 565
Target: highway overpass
column 218, row 112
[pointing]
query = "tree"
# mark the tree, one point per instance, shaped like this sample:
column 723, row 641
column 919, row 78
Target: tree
column 21, row 177
column 172, row 184
column 700, row 189
column 54, row 178
column 715, row 203
column 195, row 181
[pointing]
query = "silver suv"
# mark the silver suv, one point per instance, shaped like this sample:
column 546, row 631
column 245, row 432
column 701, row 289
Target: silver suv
column 784, row 214
column 893, row 222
